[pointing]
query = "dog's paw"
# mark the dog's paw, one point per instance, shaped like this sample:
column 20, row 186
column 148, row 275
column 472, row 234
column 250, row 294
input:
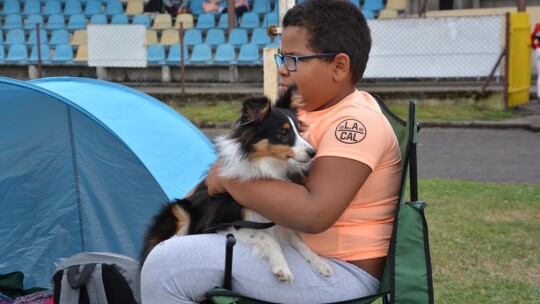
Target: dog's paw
column 283, row 274
column 322, row 267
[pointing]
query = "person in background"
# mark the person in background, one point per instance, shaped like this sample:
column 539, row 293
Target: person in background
column 240, row 7
column 535, row 44
column 175, row 7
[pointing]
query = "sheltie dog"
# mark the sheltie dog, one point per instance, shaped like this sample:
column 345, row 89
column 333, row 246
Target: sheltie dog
column 265, row 143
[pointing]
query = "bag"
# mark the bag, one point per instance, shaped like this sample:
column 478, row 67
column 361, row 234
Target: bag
column 97, row 278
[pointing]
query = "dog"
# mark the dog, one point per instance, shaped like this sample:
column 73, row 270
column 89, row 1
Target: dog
column 265, row 143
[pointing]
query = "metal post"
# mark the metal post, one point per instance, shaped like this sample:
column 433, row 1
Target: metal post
column 231, row 14
column 39, row 50
column 182, row 64
column 506, row 58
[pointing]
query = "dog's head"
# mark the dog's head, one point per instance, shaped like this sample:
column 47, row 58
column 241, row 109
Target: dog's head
column 268, row 139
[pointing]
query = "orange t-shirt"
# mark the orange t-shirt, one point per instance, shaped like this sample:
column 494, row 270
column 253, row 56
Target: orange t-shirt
column 356, row 128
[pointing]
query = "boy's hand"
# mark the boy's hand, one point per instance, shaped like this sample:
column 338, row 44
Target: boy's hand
column 213, row 181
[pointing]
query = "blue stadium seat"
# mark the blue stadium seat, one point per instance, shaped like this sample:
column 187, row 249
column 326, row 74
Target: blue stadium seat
column 192, row 37
column 114, row 7
column 223, row 22
column 225, row 53
column 261, row 7
column 59, row 36
column 31, row 7
column 2, row 55
column 202, row 53
column 32, row 20
column 250, row 20
column 56, row 22
column 368, row 14
column 93, row 8
column 63, row 53
column 76, row 22
column 270, row 18
column 13, row 21
column 155, row 54
column 98, row 19
column 52, row 7
column 275, row 42
column 45, row 54
column 11, row 7
column 206, row 21
column 73, row 7
column 238, row 36
column 33, row 39
column 173, row 57
column 249, row 54
column 15, row 36
column 142, row 19
column 373, row 5
column 195, row 6
column 17, row 53
column 260, row 37
column 1, row 39
column 215, row 36
column 120, row 19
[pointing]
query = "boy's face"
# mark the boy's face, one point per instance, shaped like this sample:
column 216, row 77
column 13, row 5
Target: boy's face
column 313, row 76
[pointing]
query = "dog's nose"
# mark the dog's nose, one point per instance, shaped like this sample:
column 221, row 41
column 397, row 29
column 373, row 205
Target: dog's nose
column 311, row 153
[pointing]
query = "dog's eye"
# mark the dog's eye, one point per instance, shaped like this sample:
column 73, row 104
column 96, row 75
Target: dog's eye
column 283, row 132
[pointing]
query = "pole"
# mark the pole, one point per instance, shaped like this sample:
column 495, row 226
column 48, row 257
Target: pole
column 39, row 50
column 182, row 64
column 231, row 14
column 506, row 58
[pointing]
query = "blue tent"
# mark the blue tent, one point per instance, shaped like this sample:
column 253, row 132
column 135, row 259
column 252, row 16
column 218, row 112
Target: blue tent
column 84, row 165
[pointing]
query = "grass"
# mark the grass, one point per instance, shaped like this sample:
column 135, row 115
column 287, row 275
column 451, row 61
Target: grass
column 484, row 241
column 222, row 112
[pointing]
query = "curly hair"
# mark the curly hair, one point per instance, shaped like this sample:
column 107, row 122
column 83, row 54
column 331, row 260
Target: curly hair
column 336, row 26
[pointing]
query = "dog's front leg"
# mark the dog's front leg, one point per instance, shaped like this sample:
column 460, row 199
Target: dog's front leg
column 319, row 263
column 266, row 246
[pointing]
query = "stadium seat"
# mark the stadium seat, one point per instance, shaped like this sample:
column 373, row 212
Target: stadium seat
column 56, row 22
column 368, row 14
column 73, row 7
column 238, row 36
column 15, row 36
column 52, row 7
column 142, row 19
column 186, row 20
column 93, row 8
column 114, row 7
column 17, row 53
column 173, row 57
column 120, row 19
column 215, row 36
column 202, row 53
column 170, row 37
column 225, row 53
column 13, row 21
column 399, row 5
column 373, row 5
column 261, row 7
column 162, row 21
column 80, row 37
column 260, row 37
column 33, row 37
column 98, row 19
column 76, row 22
column 32, row 20
column 82, row 53
column 44, row 52
column 11, row 7
column 1, row 39
column 250, row 20
column 388, row 13
column 63, row 53
column 192, row 37
column 134, row 8
column 195, row 6
column 223, row 22
column 249, row 54
column 155, row 54
column 151, row 37
column 2, row 54
column 275, row 42
column 270, row 18
column 31, row 7
column 59, row 36
column 206, row 21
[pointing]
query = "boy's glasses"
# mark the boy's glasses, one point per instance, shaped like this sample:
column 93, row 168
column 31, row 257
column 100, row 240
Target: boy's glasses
column 291, row 62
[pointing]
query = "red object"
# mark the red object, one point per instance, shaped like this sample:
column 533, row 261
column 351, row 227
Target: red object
column 535, row 42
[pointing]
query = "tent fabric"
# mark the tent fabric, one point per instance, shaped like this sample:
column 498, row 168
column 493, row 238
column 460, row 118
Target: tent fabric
column 84, row 165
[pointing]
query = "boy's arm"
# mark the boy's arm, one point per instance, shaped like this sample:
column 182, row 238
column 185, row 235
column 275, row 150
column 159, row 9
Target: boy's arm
column 331, row 185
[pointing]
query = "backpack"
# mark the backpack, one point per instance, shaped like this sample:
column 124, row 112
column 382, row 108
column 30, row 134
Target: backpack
column 97, row 278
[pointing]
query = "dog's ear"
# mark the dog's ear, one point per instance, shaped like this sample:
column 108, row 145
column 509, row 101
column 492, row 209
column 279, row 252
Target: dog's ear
column 290, row 99
column 255, row 109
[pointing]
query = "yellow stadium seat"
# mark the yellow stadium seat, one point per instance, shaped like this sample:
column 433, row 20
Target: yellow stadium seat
column 162, row 21
column 151, row 37
column 388, row 13
column 186, row 19
column 80, row 37
column 134, row 8
column 82, row 53
column 399, row 5
column 170, row 37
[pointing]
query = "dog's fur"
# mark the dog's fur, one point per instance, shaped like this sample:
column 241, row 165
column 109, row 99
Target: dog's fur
column 264, row 144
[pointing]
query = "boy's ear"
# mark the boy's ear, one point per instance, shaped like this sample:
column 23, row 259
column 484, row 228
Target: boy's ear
column 342, row 67
column 255, row 109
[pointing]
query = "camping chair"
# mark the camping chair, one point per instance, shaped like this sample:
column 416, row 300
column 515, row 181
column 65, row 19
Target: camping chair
column 407, row 273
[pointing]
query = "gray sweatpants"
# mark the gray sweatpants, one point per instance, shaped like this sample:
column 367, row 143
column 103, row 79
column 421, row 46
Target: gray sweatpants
column 182, row 269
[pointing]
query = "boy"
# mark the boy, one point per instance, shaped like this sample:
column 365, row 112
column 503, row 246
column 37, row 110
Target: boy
column 344, row 211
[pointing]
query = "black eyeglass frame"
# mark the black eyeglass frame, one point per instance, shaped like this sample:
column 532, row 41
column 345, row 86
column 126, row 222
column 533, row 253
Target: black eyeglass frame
column 281, row 58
